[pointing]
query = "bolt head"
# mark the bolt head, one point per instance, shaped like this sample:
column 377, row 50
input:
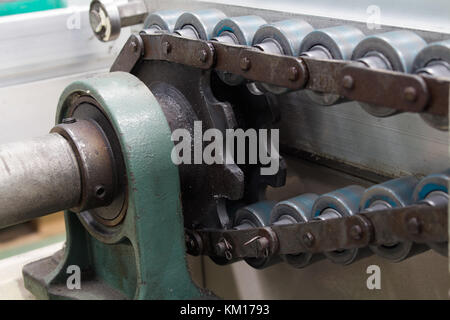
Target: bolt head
column 356, row 232
column 308, row 239
column 414, row 226
column 245, row 63
column 410, row 94
column 348, row 82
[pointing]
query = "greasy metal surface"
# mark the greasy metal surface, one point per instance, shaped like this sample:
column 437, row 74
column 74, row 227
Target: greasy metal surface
column 34, row 176
column 131, row 52
column 141, row 268
column 86, row 108
column 239, row 243
column 95, row 160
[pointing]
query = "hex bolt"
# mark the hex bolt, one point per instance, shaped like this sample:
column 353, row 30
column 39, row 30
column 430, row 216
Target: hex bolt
column 293, row 73
column 348, row 82
column 167, row 47
column 414, row 226
column 410, row 94
column 356, row 232
column 69, row 120
column 245, row 63
column 203, row 55
column 308, row 239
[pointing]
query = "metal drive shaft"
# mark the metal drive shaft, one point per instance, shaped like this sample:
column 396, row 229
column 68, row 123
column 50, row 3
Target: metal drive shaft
column 37, row 177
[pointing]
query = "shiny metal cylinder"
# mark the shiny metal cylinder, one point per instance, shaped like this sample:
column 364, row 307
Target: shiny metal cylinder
column 330, row 43
column 37, row 177
column 339, row 203
column 199, row 24
column 394, row 51
column 434, row 61
column 295, row 210
column 392, row 194
column 255, row 216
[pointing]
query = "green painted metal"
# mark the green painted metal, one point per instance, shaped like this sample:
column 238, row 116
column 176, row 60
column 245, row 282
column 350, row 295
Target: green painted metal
column 25, row 6
column 145, row 257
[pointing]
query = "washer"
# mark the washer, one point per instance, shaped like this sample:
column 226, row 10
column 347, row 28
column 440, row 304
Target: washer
column 337, row 204
column 330, row 43
column 239, row 31
column 434, row 61
column 295, row 210
column 391, row 194
column 433, row 191
column 255, row 216
column 198, row 24
column 393, row 50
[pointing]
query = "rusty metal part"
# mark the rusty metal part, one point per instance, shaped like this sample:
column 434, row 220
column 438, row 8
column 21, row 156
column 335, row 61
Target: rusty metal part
column 385, row 88
column 130, row 54
column 102, row 219
column 173, row 48
column 439, row 92
column 324, row 75
column 239, row 243
column 282, row 71
column 419, row 223
column 327, row 235
column 95, row 160
column 419, row 93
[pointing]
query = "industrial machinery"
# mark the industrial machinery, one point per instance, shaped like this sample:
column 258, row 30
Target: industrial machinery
column 135, row 204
